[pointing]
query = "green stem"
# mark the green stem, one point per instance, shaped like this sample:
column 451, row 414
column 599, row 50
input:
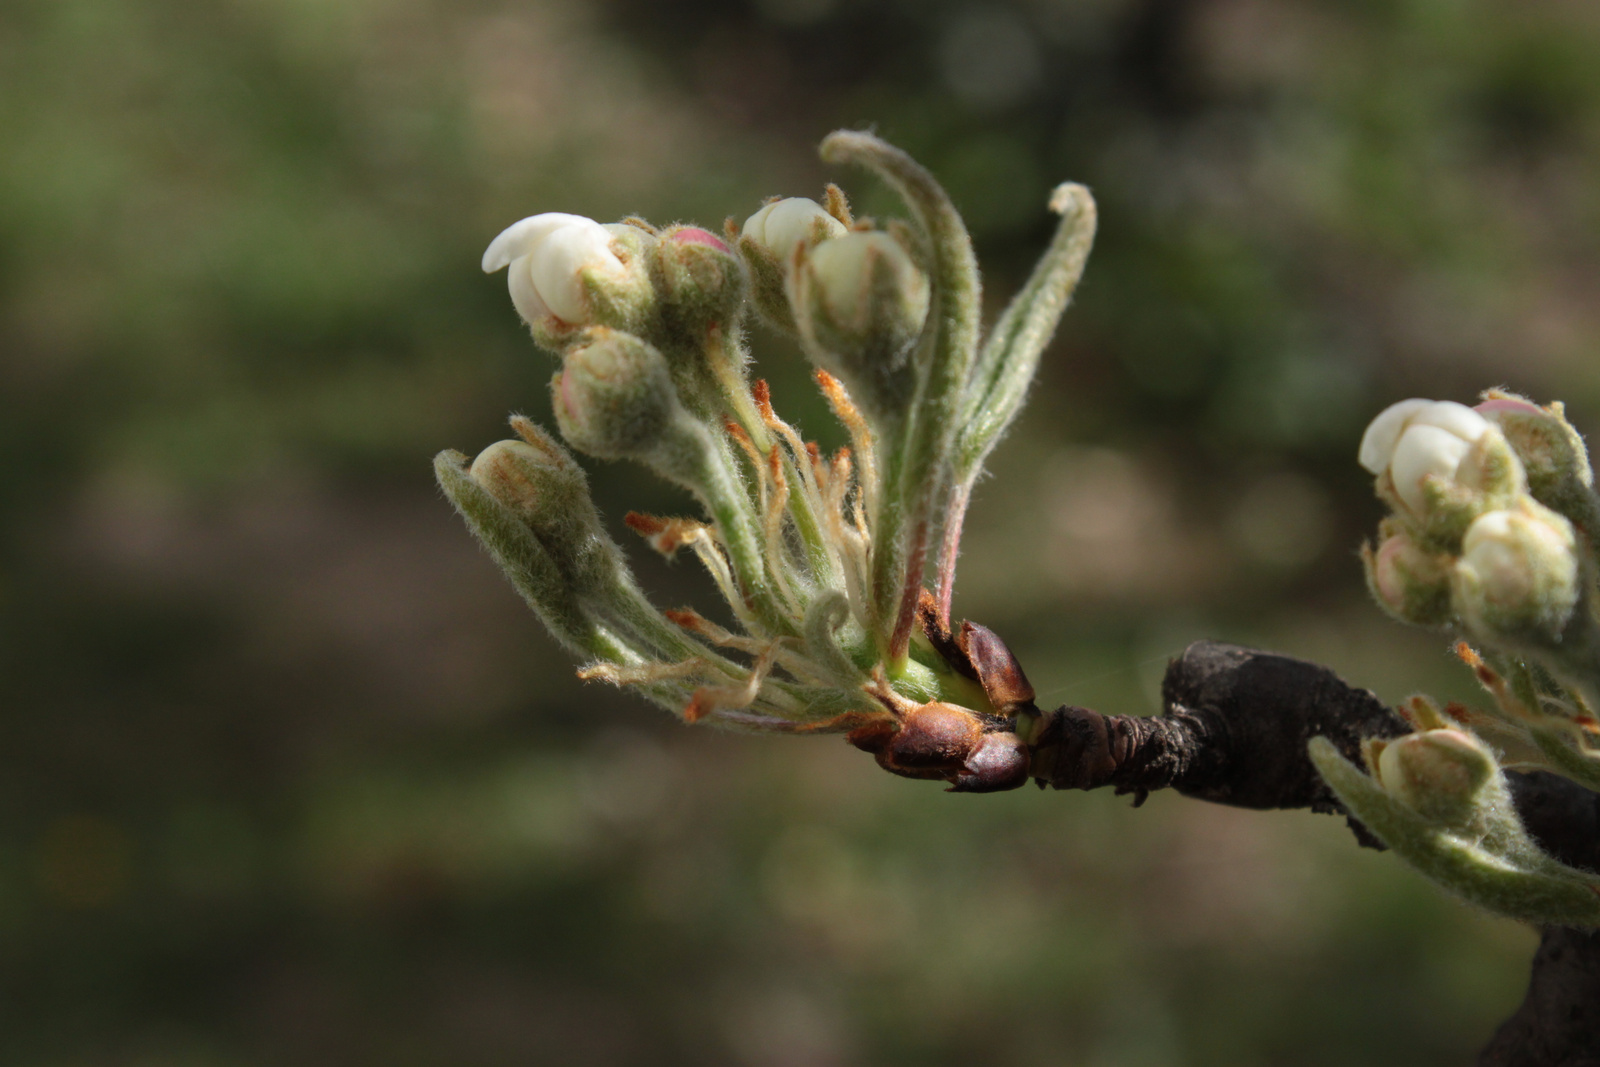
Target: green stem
column 918, row 461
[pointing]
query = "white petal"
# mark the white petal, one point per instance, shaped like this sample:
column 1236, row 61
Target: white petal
column 519, row 238
column 791, row 221
column 530, row 305
column 755, row 227
column 1377, row 444
column 1456, row 418
column 1421, row 451
column 557, row 262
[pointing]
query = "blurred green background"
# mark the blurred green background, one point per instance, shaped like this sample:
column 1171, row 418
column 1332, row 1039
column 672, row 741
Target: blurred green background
column 289, row 776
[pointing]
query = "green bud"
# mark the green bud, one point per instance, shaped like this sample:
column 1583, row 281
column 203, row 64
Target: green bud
column 1552, row 454
column 614, row 397
column 702, row 280
column 543, row 582
column 1518, row 576
column 860, row 302
column 1411, row 584
column 1441, row 774
column 540, row 483
column 1491, row 862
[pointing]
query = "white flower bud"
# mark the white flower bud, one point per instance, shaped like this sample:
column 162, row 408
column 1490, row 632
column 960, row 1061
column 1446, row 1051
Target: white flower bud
column 548, row 257
column 1438, row 773
column 860, row 302
column 1418, row 438
column 783, row 224
column 1518, row 573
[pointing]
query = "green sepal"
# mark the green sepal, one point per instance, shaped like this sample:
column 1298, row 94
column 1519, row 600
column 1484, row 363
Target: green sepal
column 1502, row 871
column 1010, row 357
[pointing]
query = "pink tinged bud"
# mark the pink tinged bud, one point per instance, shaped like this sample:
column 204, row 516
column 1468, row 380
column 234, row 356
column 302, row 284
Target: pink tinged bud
column 783, row 224
column 614, row 397
column 700, row 276
column 1397, row 567
column 693, row 235
column 1410, row 582
column 547, row 256
column 1509, row 406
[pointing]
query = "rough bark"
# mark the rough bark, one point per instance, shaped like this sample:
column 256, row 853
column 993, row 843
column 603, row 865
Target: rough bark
column 1234, row 731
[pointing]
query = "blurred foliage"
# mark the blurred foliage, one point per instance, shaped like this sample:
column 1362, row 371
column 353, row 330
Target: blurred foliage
column 288, row 776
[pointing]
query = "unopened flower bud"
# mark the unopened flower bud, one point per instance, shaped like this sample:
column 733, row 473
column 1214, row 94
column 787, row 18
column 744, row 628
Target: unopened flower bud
column 1411, row 583
column 614, row 397
column 1440, row 774
column 572, row 269
column 860, row 303
column 1552, row 454
column 1441, row 460
column 768, row 244
column 781, row 225
column 1518, row 574
column 703, row 281
column 539, row 482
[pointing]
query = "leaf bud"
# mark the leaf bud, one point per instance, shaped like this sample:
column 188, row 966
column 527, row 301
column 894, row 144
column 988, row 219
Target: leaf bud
column 702, row 280
column 566, row 272
column 1518, row 576
column 614, row 397
column 860, row 302
column 1440, row 774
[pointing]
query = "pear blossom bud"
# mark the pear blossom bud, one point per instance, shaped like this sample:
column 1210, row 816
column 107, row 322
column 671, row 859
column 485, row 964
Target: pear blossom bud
column 539, row 482
column 614, row 397
column 1552, row 454
column 768, row 244
column 1441, row 464
column 703, row 281
column 1440, row 774
column 1411, row 583
column 1518, row 576
column 571, row 268
column 860, row 303
column 781, row 225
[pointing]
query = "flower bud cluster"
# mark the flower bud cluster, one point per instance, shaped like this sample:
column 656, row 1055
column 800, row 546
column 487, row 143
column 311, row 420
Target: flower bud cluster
column 821, row 559
column 1490, row 533
column 1489, row 505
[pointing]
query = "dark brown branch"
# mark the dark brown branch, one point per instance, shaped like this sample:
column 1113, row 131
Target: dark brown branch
column 1234, row 731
